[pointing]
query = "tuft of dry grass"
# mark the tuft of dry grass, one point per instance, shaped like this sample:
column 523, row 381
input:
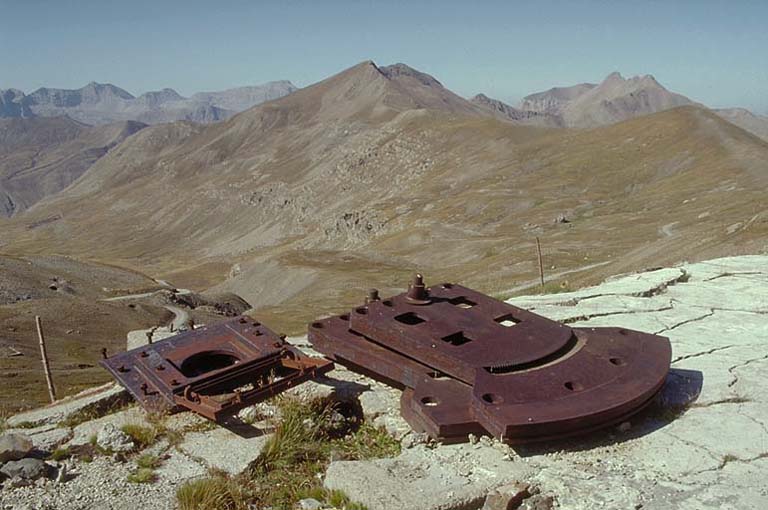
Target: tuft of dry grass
column 141, row 435
column 216, row 492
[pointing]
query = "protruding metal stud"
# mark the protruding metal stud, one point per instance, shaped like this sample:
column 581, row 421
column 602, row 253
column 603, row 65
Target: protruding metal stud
column 417, row 291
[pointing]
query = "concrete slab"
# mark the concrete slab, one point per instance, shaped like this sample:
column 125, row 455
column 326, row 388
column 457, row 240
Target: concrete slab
column 717, row 325
column 421, row 478
column 223, row 449
column 101, row 396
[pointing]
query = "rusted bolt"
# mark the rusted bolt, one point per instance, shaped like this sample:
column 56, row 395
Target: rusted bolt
column 144, row 388
column 283, row 336
column 144, row 354
column 122, row 368
column 160, row 368
column 417, row 291
column 373, row 295
column 174, row 382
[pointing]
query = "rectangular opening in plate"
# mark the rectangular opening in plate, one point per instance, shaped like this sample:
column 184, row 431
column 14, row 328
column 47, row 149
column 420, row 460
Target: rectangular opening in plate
column 506, row 320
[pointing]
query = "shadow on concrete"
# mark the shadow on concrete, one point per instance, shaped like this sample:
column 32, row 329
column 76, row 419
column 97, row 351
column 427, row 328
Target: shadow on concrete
column 681, row 389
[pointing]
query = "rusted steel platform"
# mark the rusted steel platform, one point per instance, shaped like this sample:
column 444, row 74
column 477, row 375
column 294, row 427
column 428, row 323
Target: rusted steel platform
column 469, row 363
column 213, row 370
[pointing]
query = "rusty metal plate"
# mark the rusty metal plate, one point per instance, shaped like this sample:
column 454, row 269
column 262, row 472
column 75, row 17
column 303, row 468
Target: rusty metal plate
column 470, row 363
column 213, row 370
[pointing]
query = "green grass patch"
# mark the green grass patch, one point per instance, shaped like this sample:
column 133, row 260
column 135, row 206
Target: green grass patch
column 148, row 461
column 554, row 288
column 142, row 475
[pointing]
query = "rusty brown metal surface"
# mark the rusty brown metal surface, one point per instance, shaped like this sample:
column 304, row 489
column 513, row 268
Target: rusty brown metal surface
column 213, row 370
column 471, row 364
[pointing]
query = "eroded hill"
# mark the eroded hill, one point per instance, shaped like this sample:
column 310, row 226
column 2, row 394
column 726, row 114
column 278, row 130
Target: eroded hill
column 301, row 203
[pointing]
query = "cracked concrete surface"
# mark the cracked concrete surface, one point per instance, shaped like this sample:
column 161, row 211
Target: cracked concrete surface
column 699, row 447
column 702, row 444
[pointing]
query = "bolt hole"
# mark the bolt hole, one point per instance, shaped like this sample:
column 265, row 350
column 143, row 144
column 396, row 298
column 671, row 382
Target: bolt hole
column 430, row 401
column 344, row 317
column 623, row 332
column 492, row 398
column 317, row 325
column 617, row 361
column 447, row 285
column 361, row 310
column 573, row 386
column 386, row 302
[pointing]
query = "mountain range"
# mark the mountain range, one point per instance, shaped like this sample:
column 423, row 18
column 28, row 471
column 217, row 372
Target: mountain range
column 301, row 203
column 98, row 103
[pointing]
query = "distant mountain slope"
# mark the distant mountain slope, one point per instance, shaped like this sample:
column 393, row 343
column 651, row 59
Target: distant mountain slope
column 755, row 124
column 98, row 104
column 241, row 98
column 553, row 100
column 362, row 178
column 613, row 100
column 41, row 156
column 505, row 111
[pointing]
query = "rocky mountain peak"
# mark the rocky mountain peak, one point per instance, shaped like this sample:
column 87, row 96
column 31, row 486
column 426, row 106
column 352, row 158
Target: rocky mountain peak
column 398, row 70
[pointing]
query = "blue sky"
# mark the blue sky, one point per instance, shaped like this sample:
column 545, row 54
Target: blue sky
column 715, row 52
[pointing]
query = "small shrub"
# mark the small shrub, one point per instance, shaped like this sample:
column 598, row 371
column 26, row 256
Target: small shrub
column 142, row 475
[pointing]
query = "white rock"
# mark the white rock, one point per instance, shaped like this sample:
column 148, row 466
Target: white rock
column 113, row 439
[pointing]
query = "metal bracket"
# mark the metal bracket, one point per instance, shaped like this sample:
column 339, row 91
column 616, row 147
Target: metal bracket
column 214, row 370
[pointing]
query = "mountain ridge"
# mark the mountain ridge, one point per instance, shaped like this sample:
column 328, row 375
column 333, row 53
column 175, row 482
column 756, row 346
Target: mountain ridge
column 104, row 103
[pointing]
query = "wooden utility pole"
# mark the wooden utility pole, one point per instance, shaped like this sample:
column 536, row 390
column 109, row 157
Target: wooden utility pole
column 44, row 355
column 541, row 265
